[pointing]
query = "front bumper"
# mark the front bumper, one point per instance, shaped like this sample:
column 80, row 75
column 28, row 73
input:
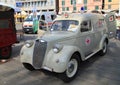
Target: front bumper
column 28, row 30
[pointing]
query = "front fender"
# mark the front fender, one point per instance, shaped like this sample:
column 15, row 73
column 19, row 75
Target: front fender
column 26, row 54
column 57, row 62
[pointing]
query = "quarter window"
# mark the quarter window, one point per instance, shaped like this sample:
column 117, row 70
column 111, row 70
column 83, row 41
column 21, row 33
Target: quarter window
column 85, row 26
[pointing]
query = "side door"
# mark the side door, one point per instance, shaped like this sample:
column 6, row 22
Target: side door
column 86, row 38
column 111, row 24
column 99, row 28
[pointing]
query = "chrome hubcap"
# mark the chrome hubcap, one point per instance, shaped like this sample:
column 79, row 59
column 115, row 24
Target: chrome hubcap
column 72, row 68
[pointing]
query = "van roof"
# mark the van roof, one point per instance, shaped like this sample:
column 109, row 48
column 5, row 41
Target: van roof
column 79, row 16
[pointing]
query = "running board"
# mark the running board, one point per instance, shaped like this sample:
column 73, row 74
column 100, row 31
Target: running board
column 91, row 54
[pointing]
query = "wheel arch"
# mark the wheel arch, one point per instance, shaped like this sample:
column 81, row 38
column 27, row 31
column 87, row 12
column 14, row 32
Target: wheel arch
column 77, row 53
column 104, row 39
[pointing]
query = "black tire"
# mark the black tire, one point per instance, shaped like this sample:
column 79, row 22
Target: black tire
column 36, row 32
column 28, row 67
column 72, row 69
column 103, row 51
column 5, row 52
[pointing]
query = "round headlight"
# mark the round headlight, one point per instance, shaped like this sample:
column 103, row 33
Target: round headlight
column 57, row 48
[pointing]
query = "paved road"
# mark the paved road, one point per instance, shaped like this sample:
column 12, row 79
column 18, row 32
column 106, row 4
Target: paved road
column 95, row 71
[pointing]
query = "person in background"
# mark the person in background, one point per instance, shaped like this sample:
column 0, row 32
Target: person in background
column 118, row 27
column 35, row 23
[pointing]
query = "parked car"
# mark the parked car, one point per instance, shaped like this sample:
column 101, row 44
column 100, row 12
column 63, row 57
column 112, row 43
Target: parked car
column 28, row 24
column 71, row 39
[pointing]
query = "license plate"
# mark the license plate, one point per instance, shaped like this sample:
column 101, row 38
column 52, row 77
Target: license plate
column 27, row 29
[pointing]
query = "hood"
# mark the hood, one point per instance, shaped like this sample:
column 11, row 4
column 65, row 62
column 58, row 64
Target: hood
column 57, row 36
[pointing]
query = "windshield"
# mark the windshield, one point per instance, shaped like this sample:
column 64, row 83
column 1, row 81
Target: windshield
column 30, row 18
column 64, row 25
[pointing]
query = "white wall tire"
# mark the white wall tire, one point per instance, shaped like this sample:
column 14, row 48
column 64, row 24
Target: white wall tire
column 104, row 49
column 71, row 69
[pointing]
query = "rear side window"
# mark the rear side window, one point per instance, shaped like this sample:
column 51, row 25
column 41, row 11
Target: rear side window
column 53, row 17
column 85, row 26
column 43, row 17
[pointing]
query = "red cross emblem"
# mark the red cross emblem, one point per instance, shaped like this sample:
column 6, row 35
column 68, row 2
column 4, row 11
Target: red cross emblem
column 111, row 18
column 87, row 41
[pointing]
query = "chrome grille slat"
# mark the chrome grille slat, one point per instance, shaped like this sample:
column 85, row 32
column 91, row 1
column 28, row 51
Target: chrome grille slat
column 39, row 53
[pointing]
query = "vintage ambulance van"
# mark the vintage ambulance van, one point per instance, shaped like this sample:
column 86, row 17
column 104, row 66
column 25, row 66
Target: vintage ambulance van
column 71, row 39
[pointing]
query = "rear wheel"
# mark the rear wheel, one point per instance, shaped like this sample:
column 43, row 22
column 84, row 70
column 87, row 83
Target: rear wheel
column 104, row 49
column 72, row 69
column 5, row 52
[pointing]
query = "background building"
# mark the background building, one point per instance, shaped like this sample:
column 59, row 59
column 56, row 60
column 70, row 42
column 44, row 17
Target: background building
column 111, row 4
column 10, row 2
column 38, row 5
column 78, row 5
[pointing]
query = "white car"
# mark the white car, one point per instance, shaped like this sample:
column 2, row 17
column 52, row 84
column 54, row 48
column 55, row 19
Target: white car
column 48, row 17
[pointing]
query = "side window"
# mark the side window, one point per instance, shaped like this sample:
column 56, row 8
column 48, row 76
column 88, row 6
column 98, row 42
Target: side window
column 85, row 26
column 43, row 17
column 53, row 17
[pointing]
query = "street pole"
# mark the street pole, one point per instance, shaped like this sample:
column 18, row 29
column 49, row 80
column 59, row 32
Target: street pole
column 119, row 8
column 57, row 6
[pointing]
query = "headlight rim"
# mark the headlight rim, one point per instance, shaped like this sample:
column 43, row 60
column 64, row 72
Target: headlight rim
column 29, row 43
column 57, row 48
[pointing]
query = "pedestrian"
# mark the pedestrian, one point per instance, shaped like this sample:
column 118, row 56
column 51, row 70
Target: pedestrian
column 35, row 23
column 118, row 27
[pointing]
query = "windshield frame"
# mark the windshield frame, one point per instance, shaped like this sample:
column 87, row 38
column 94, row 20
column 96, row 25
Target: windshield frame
column 65, row 25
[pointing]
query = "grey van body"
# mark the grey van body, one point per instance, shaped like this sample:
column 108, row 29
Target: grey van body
column 71, row 39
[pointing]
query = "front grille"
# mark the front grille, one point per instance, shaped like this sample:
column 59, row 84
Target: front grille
column 39, row 53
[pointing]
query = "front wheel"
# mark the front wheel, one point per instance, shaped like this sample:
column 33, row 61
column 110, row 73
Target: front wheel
column 71, row 70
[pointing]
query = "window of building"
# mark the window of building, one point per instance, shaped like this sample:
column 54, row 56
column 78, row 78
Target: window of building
column 63, row 8
column 73, row 2
column 67, row 8
column 74, row 8
column 85, row 1
column 109, row 0
column 96, row 7
column 109, row 6
column 85, row 7
column 63, row 3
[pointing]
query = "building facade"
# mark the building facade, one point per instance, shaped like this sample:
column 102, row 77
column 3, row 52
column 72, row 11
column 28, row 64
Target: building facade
column 38, row 5
column 10, row 2
column 112, row 4
column 78, row 5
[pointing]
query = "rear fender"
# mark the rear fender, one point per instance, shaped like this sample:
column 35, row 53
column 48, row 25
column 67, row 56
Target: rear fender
column 104, row 38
